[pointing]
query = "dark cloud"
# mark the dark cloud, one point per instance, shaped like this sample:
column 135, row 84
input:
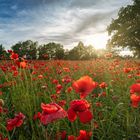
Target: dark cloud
column 84, row 3
column 93, row 21
column 55, row 37
column 97, row 3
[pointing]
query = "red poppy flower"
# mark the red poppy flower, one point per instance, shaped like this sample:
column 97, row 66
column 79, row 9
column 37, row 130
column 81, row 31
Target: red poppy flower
column 17, row 62
column 71, row 137
column 14, row 55
column 103, row 85
column 23, row 64
column 127, row 70
column 59, row 87
column 66, row 69
column 84, row 135
column 84, row 86
column 40, row 76
column 135, row 100
column 55, row 81
column 80, row 108
column 66, row 80
column 15, row 122
column 15, row 73
column 51, row 112
column 69, row 89
column 13, row 68
column 135, row 88
column 62, row 102
column 10, row 51
column 37, row 116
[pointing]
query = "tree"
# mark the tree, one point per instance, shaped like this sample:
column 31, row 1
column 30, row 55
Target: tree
column 3, row 53
column 51, row 51
column 81, row 52
column 125, row 30
column 27, row 48
column 77, row 52
column 89, row 53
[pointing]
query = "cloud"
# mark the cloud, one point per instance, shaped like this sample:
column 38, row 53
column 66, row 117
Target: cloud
column 84, row 3
column 94, row 20
column 63, row 21
column 98, row 3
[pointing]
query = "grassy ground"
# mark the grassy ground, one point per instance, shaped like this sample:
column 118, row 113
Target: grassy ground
column 23, row 90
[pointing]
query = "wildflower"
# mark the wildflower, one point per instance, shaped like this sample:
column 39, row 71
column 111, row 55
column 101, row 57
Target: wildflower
column 130, row 76
column 10, row 51
column 79, row 108
column 127, row 70
column 71, row 137
column 135, row 88
column 40, row 76
column 15, row 73
column 58, row 88
column 23, row 64
column 51, row 112
column 54, row 96
column 55, row 81
column 66, row 69
column 66, row 80
column 62, row 102
column 135, row 100
column 84, row 86
column 37, row 116
column 13, row 68
column 103, row 85
column 84, row 135
column 14, row 55
column 17, row 121
column 69, row 89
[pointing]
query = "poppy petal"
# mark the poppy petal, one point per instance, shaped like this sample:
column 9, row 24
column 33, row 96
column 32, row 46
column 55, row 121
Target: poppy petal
column 85, row 116
column 71, row 115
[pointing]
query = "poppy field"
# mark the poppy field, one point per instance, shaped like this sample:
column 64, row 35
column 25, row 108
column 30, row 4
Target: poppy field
column 69, row 100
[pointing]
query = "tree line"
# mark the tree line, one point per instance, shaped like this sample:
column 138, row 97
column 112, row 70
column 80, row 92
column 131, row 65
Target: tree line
column 32, row 50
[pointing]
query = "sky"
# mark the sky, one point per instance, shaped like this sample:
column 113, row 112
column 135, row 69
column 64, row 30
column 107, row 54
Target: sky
column 61, row 21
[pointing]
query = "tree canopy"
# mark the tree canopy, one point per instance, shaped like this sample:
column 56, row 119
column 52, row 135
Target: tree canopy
column 27, row 48
column 125, row 30
column 3, row 53
column 82, row 52
column 51, row 51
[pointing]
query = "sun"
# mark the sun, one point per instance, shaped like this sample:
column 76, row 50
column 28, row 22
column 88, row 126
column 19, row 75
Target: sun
column 98, row 41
